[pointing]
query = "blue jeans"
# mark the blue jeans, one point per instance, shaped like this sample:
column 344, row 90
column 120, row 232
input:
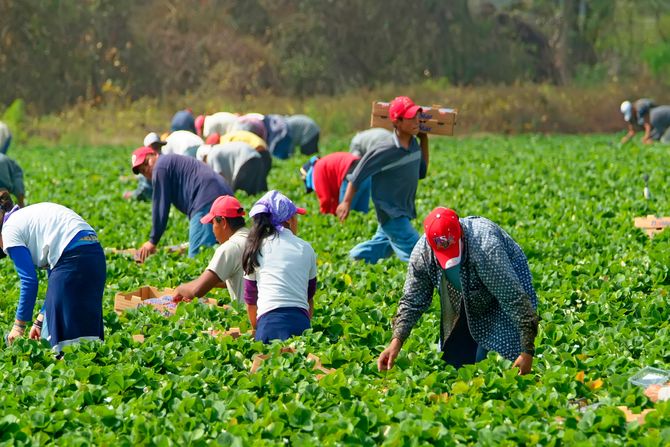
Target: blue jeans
column 396, row 235
column 200, row 235
column 361, row 200
column 5, row 146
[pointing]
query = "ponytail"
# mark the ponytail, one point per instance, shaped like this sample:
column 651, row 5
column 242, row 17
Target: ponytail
column 260, row 229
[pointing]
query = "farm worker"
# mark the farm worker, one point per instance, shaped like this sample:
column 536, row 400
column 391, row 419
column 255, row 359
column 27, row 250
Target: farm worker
column 395, row 164
column 144, row 189
column 660, row 125
column 253, row 122
column 183, row 120
column 219, row 122
column 182, row 142
column 278, row 137
column 227, row 219
column 637, row 115
column 5, row 138
column 11, row 178
column 253, row 140
column 304, row 134
column 280, row 270
column 187, row 184
column 365, row 140
column 51, row 236
column 240, row 164
column 485, row 286
column 327, row 177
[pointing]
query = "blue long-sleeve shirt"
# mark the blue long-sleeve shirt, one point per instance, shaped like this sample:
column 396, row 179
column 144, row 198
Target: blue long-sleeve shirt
column 23, row 263
column 186, row 183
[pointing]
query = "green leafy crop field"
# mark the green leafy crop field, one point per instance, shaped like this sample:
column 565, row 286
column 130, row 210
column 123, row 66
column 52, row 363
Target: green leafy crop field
column 568, row 201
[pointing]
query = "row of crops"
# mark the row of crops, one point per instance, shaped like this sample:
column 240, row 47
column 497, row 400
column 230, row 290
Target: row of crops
column 568, row 201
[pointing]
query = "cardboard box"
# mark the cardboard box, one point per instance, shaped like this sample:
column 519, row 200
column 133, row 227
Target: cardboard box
column 652, row 224
column 435, row 120
column 131, row 300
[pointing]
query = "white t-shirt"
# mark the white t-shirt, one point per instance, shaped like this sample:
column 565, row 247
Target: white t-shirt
column 220, row 122
column 45, row 229
column 227, row 263
column 286, row 264
column 180, row 141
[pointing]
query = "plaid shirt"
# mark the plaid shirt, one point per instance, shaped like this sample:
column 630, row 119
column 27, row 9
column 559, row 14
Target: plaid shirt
column 496, row 284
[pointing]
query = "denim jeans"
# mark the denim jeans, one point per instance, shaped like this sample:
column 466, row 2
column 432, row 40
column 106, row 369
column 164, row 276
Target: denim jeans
column 5, row 146
column 396, row 235
column 199, row 234
column 361, row 200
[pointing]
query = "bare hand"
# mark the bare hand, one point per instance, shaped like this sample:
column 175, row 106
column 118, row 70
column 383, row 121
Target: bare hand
column 145, row 251
column 524, row 362
column 387, row 358
column 14, row 334
column 35, row 333
column 128, row 195
column 342, row 211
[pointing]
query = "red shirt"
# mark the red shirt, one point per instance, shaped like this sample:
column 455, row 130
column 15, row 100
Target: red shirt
column 328, row 176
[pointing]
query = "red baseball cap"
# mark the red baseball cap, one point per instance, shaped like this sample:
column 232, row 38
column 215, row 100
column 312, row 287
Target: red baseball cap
column 139, row 155
column 213, row 138
column 403, row 107
column 224, row 206
column 443, row 233
column 199, row 123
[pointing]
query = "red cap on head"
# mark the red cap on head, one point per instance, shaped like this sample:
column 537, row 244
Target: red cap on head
column 443, row 233
column 213, row 138
column 403, row 107
column 224, row 206
column 199, row 123
column 139, row 155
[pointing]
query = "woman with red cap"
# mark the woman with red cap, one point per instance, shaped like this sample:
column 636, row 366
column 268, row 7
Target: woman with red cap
column 486, row 293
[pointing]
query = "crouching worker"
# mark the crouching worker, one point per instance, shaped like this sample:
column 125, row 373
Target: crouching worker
column 327, row 178
column 51, row 236
column 225, row 268
column 486, row 294
column 280, row 270
column 237, row 162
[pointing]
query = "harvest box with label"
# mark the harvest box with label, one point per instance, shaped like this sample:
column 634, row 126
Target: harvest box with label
column 434, row 120
column 131, row 300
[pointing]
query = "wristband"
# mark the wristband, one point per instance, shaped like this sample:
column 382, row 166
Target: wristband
column 21, row 329
column 38, row 324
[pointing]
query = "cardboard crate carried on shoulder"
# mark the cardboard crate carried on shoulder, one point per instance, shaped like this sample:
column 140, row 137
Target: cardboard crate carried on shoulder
column 435, row 120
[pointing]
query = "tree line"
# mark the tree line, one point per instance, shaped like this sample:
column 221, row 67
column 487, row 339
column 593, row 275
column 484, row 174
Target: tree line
column 56, row 53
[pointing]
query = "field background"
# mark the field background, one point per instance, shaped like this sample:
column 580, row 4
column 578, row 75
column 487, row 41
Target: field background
column 568, row 200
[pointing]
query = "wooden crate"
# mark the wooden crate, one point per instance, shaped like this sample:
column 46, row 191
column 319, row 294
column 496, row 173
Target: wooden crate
column 652, row 224
column 435, row 120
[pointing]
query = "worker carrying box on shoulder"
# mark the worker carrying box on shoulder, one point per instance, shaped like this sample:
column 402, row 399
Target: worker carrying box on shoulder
column 435, row 120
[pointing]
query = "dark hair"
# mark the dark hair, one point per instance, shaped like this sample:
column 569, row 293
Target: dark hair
column 235, row 223
column 6, row 204
column 260, row 229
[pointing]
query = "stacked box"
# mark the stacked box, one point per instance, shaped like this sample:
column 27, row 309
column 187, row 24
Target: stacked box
column 435, row 120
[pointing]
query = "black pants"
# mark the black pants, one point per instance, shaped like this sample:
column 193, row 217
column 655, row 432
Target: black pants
column 311, row 147
column 460, row 348
column 252, row 177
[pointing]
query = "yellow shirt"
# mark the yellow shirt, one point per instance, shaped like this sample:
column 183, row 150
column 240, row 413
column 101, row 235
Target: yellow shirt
column 244, row 136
